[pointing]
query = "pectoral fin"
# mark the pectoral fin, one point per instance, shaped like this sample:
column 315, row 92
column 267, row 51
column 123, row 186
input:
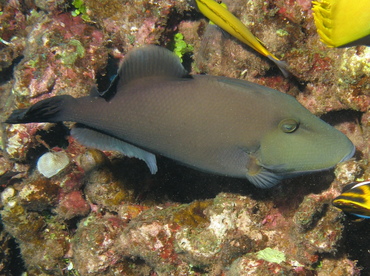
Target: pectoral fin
column 264, row 179
column 259, row 175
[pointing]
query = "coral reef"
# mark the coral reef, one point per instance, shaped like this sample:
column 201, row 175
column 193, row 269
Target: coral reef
column 104, row 214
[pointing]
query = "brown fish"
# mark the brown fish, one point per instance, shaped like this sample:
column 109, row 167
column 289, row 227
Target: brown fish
column 215, row 124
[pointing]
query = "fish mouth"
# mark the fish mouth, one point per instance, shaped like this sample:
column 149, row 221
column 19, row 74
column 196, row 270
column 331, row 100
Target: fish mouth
column 282, row 169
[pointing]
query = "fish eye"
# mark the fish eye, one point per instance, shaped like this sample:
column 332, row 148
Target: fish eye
column 288, row 125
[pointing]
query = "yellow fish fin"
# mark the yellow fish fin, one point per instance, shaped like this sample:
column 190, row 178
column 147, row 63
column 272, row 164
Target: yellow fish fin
column 340, row 22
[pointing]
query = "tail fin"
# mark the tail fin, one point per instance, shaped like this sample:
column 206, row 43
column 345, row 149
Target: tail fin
column 283, row 66
column 48, row 110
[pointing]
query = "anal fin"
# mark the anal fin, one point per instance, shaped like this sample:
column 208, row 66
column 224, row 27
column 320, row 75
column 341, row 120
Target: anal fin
column 96, row 139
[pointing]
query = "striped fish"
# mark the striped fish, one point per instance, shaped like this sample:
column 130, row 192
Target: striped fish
column 355, row 199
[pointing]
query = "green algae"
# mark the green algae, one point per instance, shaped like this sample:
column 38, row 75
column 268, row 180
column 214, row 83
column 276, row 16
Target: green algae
column 271, row 255
column 80, row 9
column 73, row 51
column 180, row 46
column 282, row 32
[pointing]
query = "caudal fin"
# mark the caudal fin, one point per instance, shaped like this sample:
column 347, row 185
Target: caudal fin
column 283, row 66
column 48, row 110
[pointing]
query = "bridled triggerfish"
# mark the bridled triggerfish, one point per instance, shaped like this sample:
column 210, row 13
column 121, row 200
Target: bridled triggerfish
column 220, row 16
column 342, row 23
column 355, row 199
column 219, row 125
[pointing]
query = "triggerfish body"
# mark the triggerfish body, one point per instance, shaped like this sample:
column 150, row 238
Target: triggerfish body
column 214, row 124
column 342, row 23
column 220, row 16
column 355, row 199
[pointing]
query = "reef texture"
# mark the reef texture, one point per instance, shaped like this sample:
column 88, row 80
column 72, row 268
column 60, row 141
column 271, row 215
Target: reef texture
column 104, row 214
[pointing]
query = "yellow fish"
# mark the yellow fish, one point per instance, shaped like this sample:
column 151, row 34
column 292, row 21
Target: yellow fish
column 342, row 22
column 220, row 16
column 355, row 199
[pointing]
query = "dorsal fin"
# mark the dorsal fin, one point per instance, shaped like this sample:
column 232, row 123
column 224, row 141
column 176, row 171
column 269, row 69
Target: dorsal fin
column 149, row 61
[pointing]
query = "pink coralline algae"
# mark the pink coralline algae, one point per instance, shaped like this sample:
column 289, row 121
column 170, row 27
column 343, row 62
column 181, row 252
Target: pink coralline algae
column 66, row 42
column 72, row 204
column 104, row 214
